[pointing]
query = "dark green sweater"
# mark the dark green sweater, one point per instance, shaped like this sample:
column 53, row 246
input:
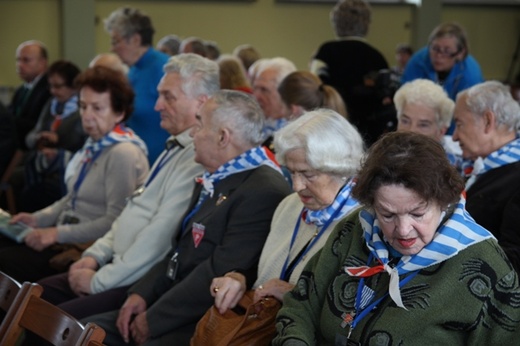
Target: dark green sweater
column 472, row 298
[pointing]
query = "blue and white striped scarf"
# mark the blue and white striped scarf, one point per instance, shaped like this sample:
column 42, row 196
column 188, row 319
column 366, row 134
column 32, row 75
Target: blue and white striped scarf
column 509, row 153
column 246, row 161
column 343, row 200
column 91, row 147
column 456, row 234
column 71, row 105
column 273, row 125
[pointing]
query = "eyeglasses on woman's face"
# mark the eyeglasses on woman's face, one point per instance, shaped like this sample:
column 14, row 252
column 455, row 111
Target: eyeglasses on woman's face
column 443, row 51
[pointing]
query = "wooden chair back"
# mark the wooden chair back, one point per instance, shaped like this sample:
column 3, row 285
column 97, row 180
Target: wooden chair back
column 50, row 323
column 12, row 296
column 9, row 289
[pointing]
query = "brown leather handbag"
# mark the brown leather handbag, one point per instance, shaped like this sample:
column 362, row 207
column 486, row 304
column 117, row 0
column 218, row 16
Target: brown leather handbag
column 251, row 324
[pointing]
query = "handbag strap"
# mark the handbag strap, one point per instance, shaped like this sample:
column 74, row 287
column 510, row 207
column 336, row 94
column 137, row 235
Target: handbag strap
column 247, row 302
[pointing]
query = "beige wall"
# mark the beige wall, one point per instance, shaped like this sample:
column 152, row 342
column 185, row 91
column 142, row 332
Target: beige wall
column 275, row 29
column 26, row 20
column 290, row 30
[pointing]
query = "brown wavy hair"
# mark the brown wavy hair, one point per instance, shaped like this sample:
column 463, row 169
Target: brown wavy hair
column 416, row 162
column 102, row 79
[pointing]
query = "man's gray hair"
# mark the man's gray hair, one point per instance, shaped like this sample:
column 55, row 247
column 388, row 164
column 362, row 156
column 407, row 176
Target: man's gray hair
column 496, row 97
column 171, row 42
column 240, row 113
column 200, row 76
column 331, row 144
column 424, row 92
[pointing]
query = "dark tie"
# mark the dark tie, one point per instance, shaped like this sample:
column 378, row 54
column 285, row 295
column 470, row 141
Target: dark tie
column 22, row 99
column 172, row 143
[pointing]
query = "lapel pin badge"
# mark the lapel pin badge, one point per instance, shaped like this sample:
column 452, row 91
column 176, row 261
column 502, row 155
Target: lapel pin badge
column 221, row 198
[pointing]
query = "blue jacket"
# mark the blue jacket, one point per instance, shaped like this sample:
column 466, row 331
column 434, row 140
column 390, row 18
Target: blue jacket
column 144, row 77
column 463, row 75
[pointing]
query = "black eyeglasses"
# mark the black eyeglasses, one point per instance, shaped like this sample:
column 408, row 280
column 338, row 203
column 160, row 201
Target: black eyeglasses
column 444, row 52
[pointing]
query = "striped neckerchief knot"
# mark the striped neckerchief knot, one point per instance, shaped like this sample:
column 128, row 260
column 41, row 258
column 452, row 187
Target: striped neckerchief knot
column 91, row 148
column 246, row 161
column 457, row 233
column 343, row 201
column 509, row 153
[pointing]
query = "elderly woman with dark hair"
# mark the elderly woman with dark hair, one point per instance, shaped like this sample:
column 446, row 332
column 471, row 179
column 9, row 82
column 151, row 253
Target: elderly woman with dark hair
column 411, row 267
column 322, row 151
column 107, row 170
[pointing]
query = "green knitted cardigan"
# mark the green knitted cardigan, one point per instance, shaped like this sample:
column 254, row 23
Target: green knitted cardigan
column 472, row 298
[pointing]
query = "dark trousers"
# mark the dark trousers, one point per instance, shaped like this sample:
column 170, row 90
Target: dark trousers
column 107, row 321
column 23, row 263
column 56, row 290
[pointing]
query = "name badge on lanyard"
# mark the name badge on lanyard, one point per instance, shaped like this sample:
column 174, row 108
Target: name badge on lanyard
column 173, row 264
column 197, row 232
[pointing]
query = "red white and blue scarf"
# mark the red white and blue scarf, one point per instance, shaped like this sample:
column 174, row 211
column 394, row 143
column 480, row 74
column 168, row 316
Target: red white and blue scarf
column 91, row 148
column 70, row 106
column 456, row 234
column 343, row 200
column 248, row 160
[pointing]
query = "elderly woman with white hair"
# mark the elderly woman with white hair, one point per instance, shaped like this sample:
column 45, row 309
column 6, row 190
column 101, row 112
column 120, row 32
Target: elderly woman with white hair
column 424, row 107
column 322, row 151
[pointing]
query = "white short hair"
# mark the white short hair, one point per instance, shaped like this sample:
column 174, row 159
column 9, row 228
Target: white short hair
column 332, row 145
column 281, row 66
column 425, row 93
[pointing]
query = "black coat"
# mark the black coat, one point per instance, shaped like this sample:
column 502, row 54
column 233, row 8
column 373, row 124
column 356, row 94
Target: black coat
column 26, row 119
column 494, row 202
column 237, row 220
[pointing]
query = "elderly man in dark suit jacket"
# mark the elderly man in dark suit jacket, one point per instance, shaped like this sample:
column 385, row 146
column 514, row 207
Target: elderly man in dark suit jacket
column 224, row 230
column 487, row 119
column 29, row 99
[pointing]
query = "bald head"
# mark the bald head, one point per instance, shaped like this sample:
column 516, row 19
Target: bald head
column 109, row 60
column 31, row 60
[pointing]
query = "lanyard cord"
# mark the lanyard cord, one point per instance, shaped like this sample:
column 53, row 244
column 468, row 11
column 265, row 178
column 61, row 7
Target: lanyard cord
column 165, row 158
column 362, row 313
column 285, row 274
column 202, row 197
column 81, row 177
